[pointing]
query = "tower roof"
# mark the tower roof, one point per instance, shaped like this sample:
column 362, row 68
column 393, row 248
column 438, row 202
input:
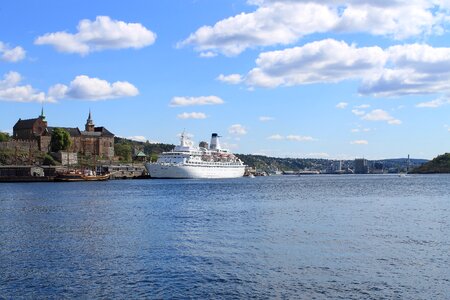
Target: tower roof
column 42, row 116
column 89, row 120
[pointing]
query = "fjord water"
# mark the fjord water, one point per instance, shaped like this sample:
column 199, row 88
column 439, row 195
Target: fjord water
column 274, row 237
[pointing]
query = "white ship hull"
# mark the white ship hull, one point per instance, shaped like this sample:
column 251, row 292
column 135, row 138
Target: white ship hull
column 181, row 171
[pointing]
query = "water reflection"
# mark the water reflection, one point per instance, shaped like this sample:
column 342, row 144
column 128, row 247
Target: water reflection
column 285, row 237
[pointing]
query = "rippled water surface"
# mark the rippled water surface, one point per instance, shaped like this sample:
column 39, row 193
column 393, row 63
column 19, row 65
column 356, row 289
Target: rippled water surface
column 274, row 237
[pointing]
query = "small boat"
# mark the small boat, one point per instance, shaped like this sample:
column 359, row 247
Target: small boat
column 79, row 176
column 308, row 172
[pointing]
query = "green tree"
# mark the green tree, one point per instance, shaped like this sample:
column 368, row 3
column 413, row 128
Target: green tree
column 123, row 150
column 48, row 160
column 4, row 137
column 60, row 140
column 439, row 164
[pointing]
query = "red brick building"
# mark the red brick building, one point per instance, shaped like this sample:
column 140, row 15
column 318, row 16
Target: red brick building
column 92, row 141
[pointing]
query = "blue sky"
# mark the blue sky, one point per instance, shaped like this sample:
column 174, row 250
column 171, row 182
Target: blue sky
column 323, row 79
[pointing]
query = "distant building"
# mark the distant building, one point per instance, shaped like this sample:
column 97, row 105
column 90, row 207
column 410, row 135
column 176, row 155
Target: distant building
column 93, row 140
column 361, row 166
column 377, row 168
column 335, row 167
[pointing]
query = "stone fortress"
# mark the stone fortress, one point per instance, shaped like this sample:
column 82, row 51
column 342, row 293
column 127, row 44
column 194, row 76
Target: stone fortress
column 92, row 141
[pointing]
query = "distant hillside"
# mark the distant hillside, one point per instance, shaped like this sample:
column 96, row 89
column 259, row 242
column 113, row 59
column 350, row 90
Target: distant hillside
column 440, row 164
column 402, row 163
column 125, row 149
column 296, row 164
column 146, row 147
column 284, row 164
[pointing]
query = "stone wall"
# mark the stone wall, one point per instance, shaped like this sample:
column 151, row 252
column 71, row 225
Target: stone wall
column 20, row 145
column 67, row 158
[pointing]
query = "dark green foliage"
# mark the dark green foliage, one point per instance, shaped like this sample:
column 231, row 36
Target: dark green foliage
column 156, row 148
column 267, row 163
column 48, row 160
column 5, row 156
column 440, row 164
column 123, row 150
column 4, row 137
column 147, row 147
column 60, row 140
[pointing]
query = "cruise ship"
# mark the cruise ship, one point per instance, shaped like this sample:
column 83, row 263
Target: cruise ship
column 189, row 161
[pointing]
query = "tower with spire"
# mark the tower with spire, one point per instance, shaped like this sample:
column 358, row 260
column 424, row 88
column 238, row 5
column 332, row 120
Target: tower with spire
column 90, row 127
column 42, row 115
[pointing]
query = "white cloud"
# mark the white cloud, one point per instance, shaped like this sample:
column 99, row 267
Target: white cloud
column 230, row 79
column 138, row 138
column 358, row 112
column 266, row 118
column 317, row 62
column 399, row 20
column 237, row 129
column 192, row 115
column 276, row 137
column 208, row 54
column 394, row 122
column 359, row 142
column 356, row 130
column 101, row 34
column 299, row 138
column 286, row 21
column 58, row 91
column 278, row 23
column 82, row 87
column 381, row 115
column 362, row 106
column 11, row 90
column 291, row 137
column 398, row 70
column 341, row 105
column 434, row 103
column 85, row 87
column 411, row 69
column 190, row 101
column 10, row 79
column 9, row 54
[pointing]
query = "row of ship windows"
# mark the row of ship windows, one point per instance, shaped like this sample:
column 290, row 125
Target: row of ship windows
column 215, row 164
column 201, row 162
column 222, row 166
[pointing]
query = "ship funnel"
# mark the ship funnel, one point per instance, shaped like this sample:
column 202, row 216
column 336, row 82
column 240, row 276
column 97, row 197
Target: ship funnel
column 214, row 145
